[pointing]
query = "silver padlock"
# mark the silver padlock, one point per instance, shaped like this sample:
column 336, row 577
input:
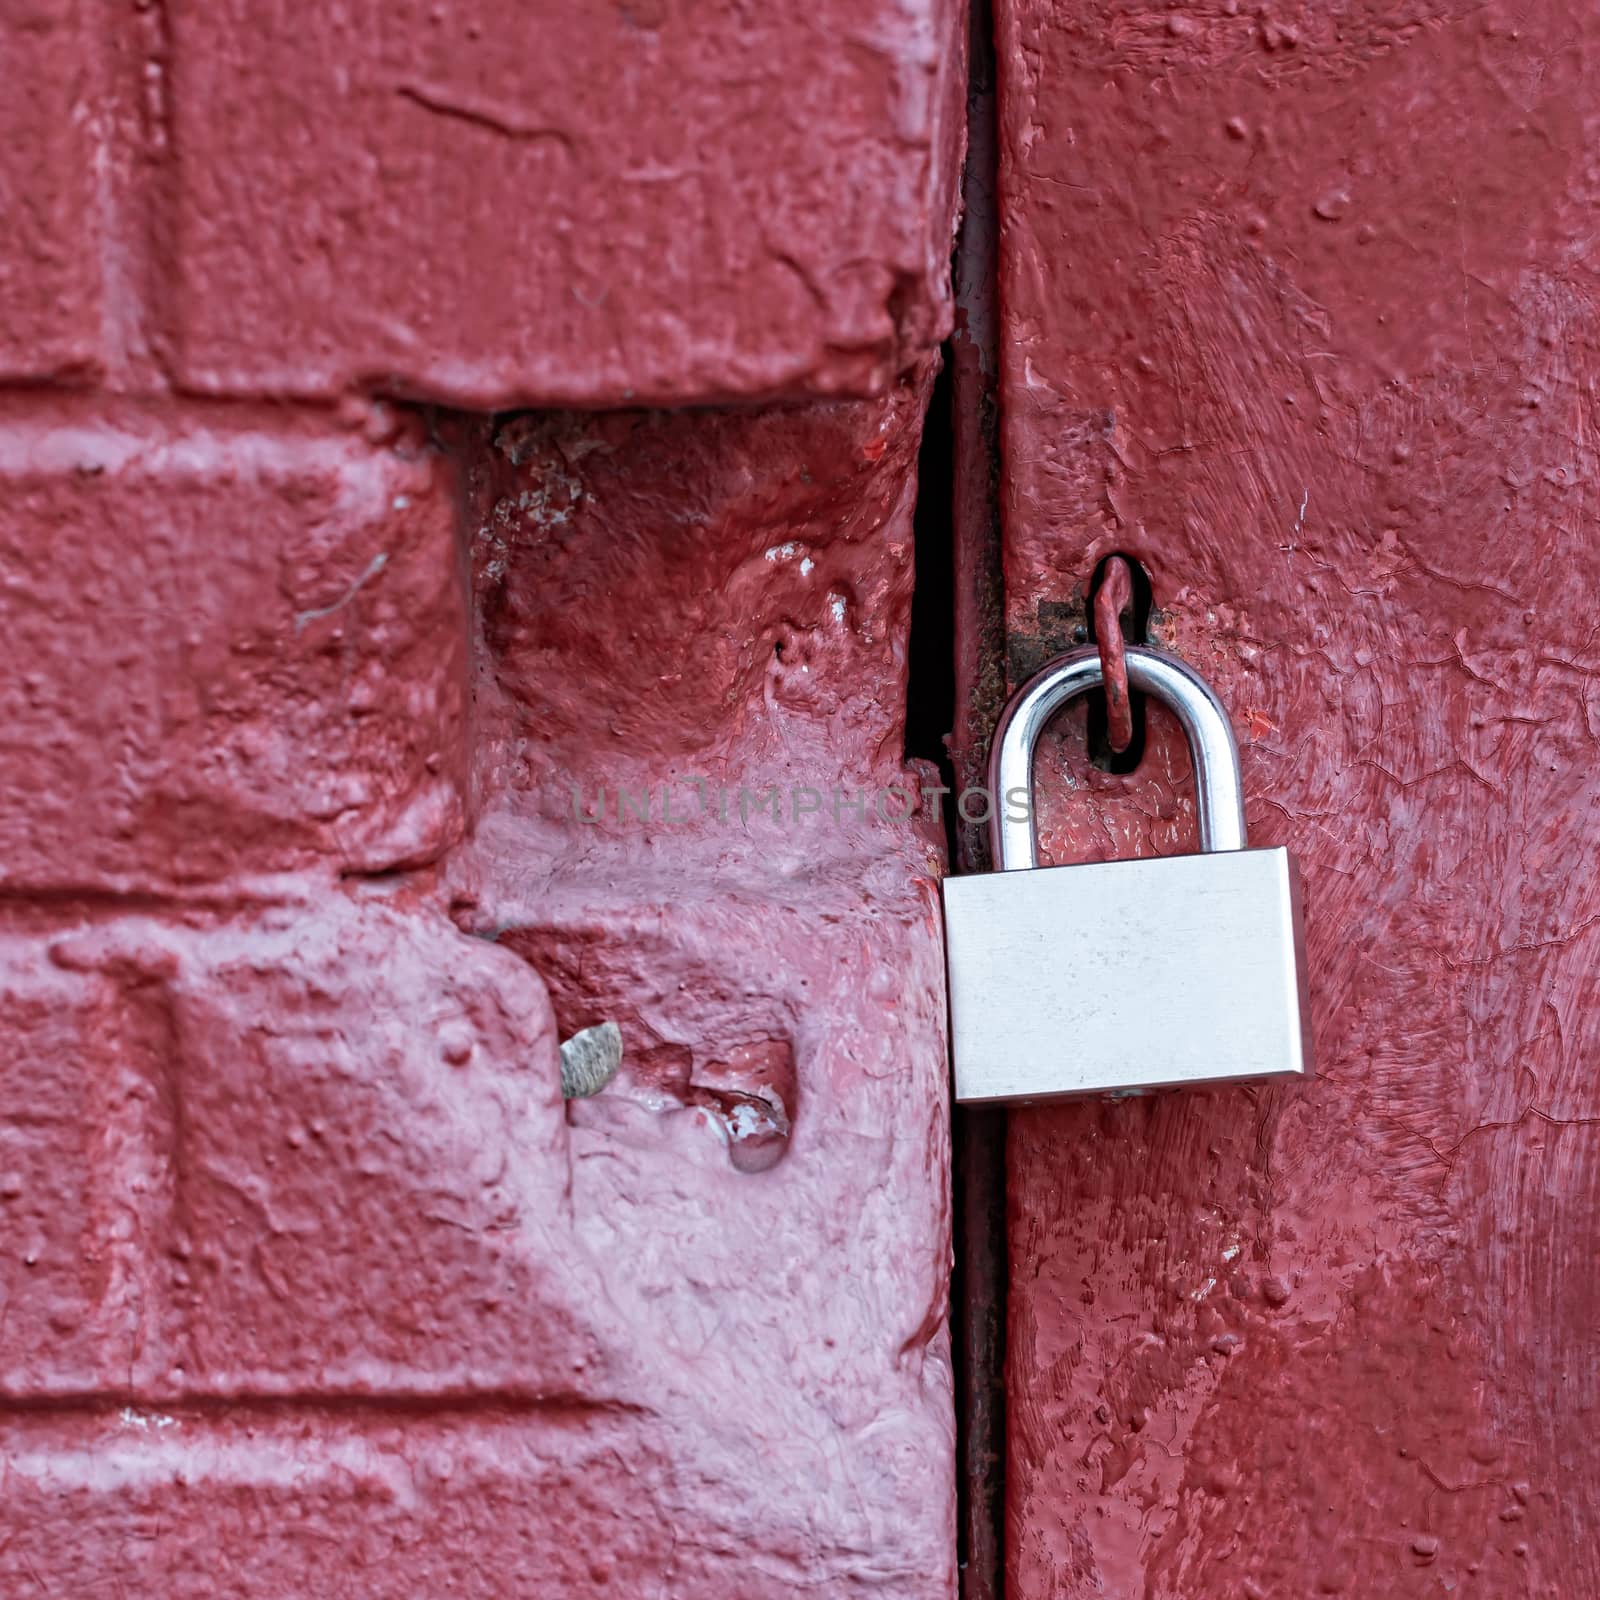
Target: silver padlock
column 1124, row 975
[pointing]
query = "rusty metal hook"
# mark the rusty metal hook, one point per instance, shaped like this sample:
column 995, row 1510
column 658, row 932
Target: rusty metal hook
column 1113, row 599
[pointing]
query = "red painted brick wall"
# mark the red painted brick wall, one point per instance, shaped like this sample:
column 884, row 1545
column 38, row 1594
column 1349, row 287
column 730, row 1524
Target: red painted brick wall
column 310, row 1283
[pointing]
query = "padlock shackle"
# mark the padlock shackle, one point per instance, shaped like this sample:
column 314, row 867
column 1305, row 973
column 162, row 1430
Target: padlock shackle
column 1219, row 790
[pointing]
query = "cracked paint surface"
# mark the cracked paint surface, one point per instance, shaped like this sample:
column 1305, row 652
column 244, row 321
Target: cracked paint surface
column 1299, row 311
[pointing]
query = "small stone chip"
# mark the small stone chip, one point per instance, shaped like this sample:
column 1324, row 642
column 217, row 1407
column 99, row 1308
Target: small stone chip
column 589, row 1060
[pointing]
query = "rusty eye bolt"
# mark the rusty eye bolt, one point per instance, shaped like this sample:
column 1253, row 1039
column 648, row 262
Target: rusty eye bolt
column 1113, row 600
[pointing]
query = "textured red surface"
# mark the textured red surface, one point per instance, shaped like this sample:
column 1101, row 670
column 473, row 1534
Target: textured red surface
column 234, row 646
column 725, row 598
column 50, row 295
column 1299, row 310
column 303, row 1253
column 310, row 1283
column 202, row 1197
column 500, row 203
column 295, row 1143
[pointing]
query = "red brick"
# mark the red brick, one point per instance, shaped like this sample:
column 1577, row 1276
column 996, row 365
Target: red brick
column 371, row 1167
column 72, row 1182
column 499, row 204
column 228, row 650
column 268, row 1505
column 50, row 244
column 304, row 1151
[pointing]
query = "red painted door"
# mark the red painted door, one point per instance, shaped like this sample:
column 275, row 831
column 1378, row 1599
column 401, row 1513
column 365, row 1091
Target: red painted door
column 1298, row 309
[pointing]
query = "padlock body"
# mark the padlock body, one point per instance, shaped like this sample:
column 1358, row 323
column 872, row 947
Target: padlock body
column 1127, row 975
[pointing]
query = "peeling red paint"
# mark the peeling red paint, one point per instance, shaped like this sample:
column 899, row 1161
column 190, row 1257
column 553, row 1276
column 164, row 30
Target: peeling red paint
column 1299, row 311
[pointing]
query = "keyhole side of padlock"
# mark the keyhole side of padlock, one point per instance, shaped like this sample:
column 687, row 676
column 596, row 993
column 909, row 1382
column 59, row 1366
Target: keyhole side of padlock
column 1219, row 787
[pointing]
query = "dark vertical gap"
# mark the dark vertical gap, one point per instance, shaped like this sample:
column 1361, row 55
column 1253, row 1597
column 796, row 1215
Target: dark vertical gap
column 931, row 674
column 978, row 1133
